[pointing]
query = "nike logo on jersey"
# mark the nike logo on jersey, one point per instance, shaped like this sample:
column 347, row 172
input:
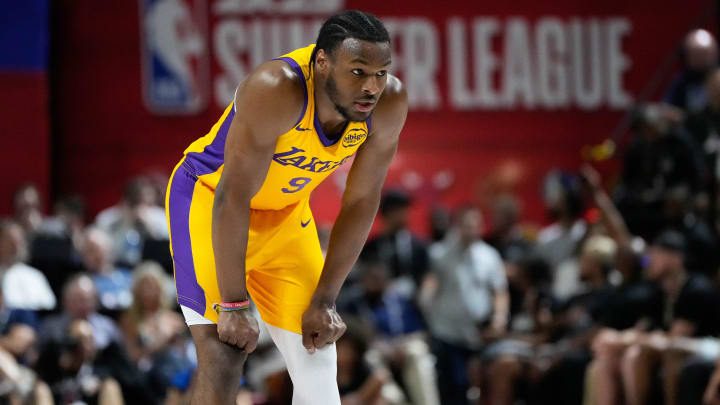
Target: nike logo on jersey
column 295, row 157
column 304, row 224
column 302, row 129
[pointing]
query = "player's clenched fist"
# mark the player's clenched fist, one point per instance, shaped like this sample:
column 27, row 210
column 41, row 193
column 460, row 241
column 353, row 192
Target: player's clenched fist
column 321, row 326
column 238, row 328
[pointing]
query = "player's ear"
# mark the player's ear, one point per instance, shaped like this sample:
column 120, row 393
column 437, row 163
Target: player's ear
column 322, row 60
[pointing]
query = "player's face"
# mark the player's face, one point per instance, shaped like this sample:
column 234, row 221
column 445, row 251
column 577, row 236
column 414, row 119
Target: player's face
column 357, row 77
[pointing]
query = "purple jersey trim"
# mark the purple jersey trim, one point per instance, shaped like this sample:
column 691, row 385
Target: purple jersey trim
column 213, row 156
column 189, row 291
column 321, row 134
column 368, row 121
column 301, row 76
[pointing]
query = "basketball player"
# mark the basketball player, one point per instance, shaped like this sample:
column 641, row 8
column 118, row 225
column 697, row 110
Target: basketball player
column 240, row 222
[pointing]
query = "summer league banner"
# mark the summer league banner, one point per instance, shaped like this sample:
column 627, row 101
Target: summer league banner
column 499, row 92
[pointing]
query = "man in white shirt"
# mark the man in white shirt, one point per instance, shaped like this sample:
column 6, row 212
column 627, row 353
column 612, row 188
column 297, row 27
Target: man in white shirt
column 465, row 299
column 23, row 287
column 133, row 221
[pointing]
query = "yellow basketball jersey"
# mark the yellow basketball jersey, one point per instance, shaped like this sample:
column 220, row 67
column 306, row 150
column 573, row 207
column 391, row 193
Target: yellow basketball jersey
column 303, row 158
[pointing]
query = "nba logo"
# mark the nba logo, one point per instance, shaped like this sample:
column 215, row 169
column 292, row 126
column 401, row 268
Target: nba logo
column 174, row 55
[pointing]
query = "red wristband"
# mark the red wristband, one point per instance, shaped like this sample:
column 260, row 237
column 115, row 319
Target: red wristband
column 231, row 306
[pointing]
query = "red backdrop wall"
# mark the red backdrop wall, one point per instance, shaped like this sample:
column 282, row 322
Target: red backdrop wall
column 107, row 133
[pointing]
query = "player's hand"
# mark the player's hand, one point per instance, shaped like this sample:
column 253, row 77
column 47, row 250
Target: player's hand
column 321, row 326
column 238, row 328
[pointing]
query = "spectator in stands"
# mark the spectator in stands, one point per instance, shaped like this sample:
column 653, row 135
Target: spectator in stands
column 635, row 301
column 404, row 253
column 561, row 363
column 704, row 123
column 360, row 381
column 691, row 296
column 661, row 173
column 55, row 249
column 686, row 367
column 704, row 127
column 399, row 328
column 391, row 313
column 80, row 302
column 631, row 356
column 136, row 219
column 440, row 223
column 158, row 181
column 70, row 367
column 28, row 209
column 507, row 233
column 506, row 362
column 563, row 199
column 155, row 334
column 18, row 330
column 112, row 283
column 629, row 247
column 465, row 301
column 68, row 220
column 558, row 242
column 17, row 343
column 700, row 55
column 24, row 287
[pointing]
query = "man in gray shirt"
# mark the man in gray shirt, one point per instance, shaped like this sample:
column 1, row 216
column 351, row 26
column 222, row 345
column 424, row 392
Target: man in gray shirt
column 465, row 299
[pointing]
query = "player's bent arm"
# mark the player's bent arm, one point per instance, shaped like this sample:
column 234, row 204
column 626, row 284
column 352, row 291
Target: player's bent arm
column 268, row 103
column 362, row 192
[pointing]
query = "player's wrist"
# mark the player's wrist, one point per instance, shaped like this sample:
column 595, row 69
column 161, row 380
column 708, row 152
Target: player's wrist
column 231, row 306
column 234, row 297
column 323, row 301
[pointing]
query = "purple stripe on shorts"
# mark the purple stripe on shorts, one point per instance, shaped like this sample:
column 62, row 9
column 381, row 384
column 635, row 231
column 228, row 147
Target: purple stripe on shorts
column 213, row 156
column 189, row 291
column 301, row 76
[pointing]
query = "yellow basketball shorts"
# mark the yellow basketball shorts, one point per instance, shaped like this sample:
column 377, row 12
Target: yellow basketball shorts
column 283, row 261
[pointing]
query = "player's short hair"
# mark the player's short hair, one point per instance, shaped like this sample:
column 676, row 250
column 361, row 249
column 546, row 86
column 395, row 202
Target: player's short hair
column 349, row 24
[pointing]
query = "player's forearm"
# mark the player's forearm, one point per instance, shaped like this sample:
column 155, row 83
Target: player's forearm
column 346, row 241
column 231, row 219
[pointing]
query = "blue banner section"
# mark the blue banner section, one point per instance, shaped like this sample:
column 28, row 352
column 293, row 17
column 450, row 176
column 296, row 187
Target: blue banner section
column 23, row 35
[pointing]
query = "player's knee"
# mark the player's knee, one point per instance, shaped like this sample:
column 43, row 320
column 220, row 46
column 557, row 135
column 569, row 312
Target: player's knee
column 318, row 368
column 224, row 356
column 222, row 362
column 325, row 358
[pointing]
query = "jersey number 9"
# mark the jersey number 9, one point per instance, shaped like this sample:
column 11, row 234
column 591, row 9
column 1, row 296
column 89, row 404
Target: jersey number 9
column 298, row 183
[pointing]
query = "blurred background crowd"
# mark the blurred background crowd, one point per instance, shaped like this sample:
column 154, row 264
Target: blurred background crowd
column 611, row 297
column 616, row 300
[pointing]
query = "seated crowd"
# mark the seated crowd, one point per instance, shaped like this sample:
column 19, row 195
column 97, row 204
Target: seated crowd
column 615, row 301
